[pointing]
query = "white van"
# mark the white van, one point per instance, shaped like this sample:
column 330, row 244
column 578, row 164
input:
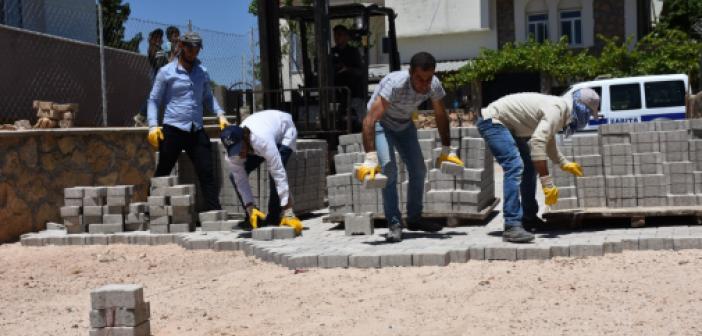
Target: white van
column 638, row 99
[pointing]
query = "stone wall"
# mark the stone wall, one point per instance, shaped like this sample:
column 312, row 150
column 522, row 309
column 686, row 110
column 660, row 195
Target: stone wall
column 609, row 20
column 36, row 165
column 505, row 22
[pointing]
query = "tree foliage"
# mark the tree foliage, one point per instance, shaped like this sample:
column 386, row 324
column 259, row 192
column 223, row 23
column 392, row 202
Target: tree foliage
column 663, row 51
column 114, row 15
column 681, row 15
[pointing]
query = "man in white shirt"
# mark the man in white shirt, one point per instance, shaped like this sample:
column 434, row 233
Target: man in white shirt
column 520, row 130
column 268, row 135
column 388, row 126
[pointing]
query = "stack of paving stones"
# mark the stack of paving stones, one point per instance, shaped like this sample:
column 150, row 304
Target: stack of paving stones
column 306, row 170
column 445, row 194
column 171, row 206
column 119, row 310
column 216, row 220
column 629, row 165
column 96, row 209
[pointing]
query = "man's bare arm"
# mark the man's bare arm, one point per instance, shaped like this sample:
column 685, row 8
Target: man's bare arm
column 442, row 121
column 541, row 167
column 376, row 112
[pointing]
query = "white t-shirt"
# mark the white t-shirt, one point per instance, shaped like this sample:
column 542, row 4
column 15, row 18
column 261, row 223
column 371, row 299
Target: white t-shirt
column 269, row 128
column 397, row 89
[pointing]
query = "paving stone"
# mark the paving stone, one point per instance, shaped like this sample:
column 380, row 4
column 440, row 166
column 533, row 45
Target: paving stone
column 364, row 260
column 117, row 295
column 212, row 216
column 358, row 224
column 105, row 228
column 451, row 168
column 283, row 232
column 264, row 233
column 143, row 329
column 333, row 260
column 535, row 253
column 560, row 251
column 586, row 250
column 302, row 261
column 684, row 243
column 431, row 258
column 76, row 240
column 655, row 243
column 180, row 227
column 378, row 182
column 158, row 228
column 226, row 245
column 395, row 259
column 476, row 253
column 215, row 226
column 612, row 247
column 500, row 253
column 58, row 241
column 458, row 255
column 120, row 317
column 113, row 219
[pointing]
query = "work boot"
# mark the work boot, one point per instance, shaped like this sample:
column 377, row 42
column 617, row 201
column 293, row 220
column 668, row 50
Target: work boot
column 394, row 232
column 533, row 224
column 517, row 234
column 418, row 225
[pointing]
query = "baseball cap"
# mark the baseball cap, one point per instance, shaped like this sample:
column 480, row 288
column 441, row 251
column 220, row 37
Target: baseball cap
column 232, row 138
column 191, row 38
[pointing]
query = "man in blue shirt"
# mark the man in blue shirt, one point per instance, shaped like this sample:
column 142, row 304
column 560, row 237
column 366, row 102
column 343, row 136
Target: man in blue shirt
column 183, row 86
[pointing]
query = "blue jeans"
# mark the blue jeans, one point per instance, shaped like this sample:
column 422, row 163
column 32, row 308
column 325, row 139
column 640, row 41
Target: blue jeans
column 514, row 156
column 407, row 144
column 252, row 163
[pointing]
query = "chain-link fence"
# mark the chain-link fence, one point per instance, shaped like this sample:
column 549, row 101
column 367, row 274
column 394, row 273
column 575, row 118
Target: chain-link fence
column 52, row 52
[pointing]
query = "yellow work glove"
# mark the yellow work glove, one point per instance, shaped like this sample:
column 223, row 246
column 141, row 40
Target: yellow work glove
column 223, row 122
column 254, row 215
column 550, row 190
column 448, row 155
column 573, row 168
column 290, row 220
column 155, row 134
column 369, row 167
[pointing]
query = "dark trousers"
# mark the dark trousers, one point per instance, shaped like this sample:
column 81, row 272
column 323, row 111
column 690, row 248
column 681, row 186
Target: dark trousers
column 197, row 145
column 274, row 208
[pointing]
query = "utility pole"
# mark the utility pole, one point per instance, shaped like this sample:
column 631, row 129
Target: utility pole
column 103, row 79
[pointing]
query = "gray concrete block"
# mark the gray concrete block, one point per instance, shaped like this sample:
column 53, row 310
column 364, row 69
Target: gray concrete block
column 180, row 227
column 226, row 245
column 122, row 190
column 655, row 243
column 476, row 253
column 118, row 200
column 97, row 239
column 612, row 247
column 158, row 210
column 74, row 192
column 451, row 168
column 378, row 182
column 364, row 260
column 157, row 200
column 105, row 228
column 358, row 224
column 302, row 261
column 158, row 228
column 395, row 259
column 280, row 232
column 117, row 295
column 138, row 207
column 76, row 240
column 264, row 233
column 92, row 210
column 500, row 253
column 214, row 215
column 534, row 253
column 431, row 258
column 70, row 211
column 184, row 200
column 333, row 260
column 586, row 250
column 113, row 219
column 458, row 255
column 113, row 210
column 120, row 317
column 160, row 220
column 684, row 243
column 560, row 251
column 56, row 226
column 143, row 329
column 163, row 181
column 94, row 192
column 73, row 202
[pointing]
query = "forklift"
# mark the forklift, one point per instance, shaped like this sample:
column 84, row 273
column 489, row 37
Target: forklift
column 315, row 104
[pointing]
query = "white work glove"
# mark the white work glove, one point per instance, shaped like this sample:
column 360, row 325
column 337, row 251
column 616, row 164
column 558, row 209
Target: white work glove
column 448, row 154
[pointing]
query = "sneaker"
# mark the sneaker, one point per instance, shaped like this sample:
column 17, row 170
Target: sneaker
column 422, row 226
column 517, row 234
column 394, row 232
column 533, row 224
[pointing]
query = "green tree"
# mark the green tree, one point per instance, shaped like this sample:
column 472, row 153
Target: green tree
column 114, row 15
column 681, row 15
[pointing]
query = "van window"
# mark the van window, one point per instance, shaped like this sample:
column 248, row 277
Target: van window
column 665, row 94
column 625, row 97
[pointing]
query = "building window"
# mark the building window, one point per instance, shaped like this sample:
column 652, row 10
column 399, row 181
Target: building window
column 572, row 27
column 538, row 27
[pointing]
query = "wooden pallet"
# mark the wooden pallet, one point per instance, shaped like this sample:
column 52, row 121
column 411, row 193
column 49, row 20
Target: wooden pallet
column 452, row 219
column 637, row 216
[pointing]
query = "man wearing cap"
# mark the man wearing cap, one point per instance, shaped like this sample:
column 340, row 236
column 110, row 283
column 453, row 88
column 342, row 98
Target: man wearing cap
column 183, row 86
column 520, row 131
column 388, row 127
column 270, row 136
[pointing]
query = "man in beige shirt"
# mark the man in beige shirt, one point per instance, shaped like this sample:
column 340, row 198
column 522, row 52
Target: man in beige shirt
column 520, row 131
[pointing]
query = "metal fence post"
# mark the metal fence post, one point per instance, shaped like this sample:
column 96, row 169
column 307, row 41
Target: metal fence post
column 103, row 83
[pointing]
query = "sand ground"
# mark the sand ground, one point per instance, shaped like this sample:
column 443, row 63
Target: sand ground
column 45, row 291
